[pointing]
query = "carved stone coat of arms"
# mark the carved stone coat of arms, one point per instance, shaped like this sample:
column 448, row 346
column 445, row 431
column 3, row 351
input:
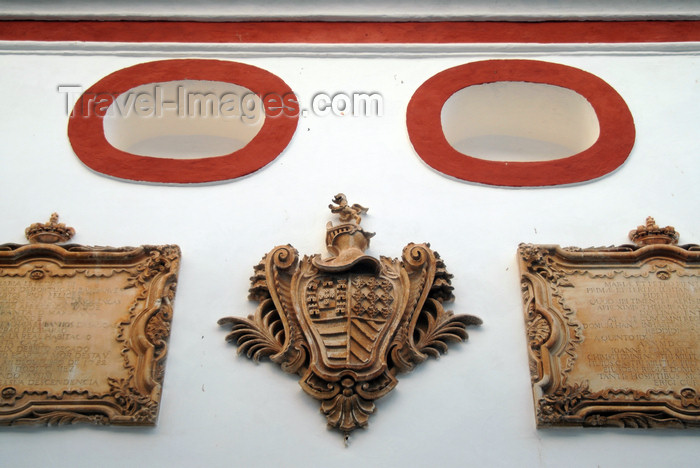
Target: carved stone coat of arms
column 349, row 323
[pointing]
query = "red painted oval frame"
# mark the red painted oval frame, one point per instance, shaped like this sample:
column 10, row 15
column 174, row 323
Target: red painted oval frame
column 86, row 133
column 611, row 149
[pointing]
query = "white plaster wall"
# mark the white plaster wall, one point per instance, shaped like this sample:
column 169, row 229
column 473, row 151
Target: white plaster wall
column 473, row 407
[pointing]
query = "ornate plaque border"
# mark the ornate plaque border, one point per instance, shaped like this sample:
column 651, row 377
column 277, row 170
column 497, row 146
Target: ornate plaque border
column 142, row 334
column 555, row 334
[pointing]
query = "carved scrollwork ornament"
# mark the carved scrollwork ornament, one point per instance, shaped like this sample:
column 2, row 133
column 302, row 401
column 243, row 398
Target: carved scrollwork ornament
column 349, row 322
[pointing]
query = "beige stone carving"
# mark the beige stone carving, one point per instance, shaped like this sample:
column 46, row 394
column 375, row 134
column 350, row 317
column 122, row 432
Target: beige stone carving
column 613, row 332
column 347, row 324
column 83, row 330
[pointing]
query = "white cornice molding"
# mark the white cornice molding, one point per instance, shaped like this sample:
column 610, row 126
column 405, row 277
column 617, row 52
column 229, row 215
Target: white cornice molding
column 227, row 51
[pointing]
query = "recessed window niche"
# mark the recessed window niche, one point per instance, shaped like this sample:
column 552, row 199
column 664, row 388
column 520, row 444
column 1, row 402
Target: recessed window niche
column 520, row 123
column 183, row 121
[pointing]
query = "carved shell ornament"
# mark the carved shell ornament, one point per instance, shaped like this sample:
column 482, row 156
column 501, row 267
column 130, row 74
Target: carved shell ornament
column 348, row 323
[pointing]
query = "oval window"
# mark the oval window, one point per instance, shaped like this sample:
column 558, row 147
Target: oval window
column 520, row 123
column 183, row 121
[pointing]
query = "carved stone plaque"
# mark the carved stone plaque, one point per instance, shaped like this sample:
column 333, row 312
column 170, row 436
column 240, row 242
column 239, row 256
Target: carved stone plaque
column 83, row 330
column 347, row 324
column 614, row 333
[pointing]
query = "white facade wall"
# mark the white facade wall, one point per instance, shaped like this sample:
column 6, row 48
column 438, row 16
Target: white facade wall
column 474, row 406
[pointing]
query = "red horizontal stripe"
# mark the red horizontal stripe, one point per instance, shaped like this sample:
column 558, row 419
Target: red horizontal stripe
column 352, row 33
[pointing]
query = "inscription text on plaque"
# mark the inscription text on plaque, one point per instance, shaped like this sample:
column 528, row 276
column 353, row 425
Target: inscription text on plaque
column 83, row 330
column 613, row 332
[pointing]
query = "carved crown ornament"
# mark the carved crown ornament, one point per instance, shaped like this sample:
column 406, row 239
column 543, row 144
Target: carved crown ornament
column 83, row 330
column 349, row 323
column 49, row 233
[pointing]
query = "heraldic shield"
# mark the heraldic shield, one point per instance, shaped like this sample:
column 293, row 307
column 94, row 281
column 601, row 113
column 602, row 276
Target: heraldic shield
column 347, row 324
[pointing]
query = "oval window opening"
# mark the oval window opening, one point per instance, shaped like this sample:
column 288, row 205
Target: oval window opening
column 183, row 121
column 519, row 121
column 186, row 119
